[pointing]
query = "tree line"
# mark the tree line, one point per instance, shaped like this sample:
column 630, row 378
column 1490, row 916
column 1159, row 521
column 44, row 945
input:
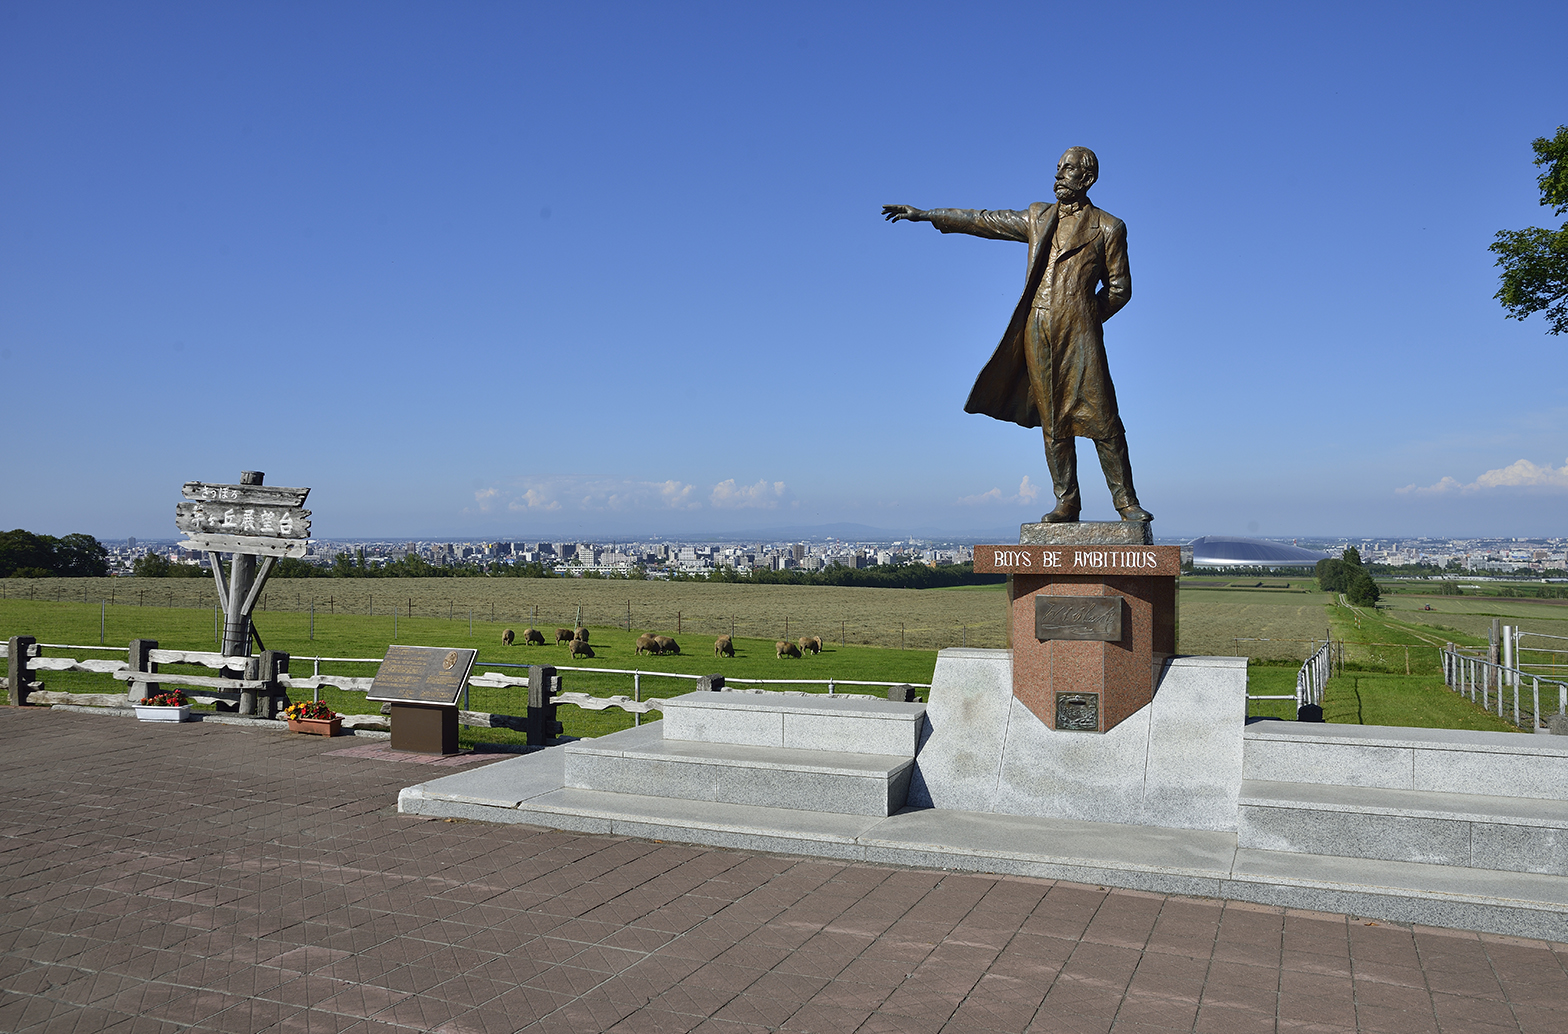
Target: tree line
column 26, row 555
column 1349, row 576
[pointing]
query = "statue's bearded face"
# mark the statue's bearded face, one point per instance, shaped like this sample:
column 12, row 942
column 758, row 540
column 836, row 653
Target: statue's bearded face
column 1074, row 177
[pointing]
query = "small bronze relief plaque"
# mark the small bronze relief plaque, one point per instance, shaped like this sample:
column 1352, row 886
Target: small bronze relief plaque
column 1096, row 618
column 1078, row 712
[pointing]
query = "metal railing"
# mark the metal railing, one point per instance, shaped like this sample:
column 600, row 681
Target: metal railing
column 1496, row 687
column 1311, row 678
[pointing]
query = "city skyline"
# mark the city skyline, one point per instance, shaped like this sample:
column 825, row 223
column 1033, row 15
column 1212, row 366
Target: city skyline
column 518, row 272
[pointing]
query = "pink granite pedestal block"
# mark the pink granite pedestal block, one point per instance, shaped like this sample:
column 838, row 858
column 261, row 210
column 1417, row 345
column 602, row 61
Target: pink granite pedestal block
column 1083, row 670
column 1122, row 673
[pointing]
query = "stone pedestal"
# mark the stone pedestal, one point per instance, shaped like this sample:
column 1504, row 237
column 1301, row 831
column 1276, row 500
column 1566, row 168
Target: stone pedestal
column 424, row 728
column 1092, row 617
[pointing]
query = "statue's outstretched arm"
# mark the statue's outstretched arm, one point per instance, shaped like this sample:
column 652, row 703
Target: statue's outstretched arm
column 999, row 224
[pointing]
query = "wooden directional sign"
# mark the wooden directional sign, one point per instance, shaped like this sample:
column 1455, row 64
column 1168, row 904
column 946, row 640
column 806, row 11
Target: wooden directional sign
column 254, row 519
column 422, row 675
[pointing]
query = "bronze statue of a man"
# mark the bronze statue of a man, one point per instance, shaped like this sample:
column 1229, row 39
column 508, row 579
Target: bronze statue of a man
column 1050, row 370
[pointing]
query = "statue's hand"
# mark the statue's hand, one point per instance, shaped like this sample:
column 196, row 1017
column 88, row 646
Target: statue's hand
column 893, row 213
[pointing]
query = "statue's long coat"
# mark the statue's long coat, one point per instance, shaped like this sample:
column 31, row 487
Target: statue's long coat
column 1090, row 284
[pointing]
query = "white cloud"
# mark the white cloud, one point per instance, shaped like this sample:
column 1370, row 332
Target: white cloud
column 1519, row 474
column 587, row 493
column 678, row 495
column 1028, row 491
column 533, row 499
column 763, row 495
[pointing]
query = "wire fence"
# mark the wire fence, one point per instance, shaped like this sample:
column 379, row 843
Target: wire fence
column 854, row 616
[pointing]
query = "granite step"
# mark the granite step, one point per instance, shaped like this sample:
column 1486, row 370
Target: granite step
column 814, row 722
column 644, row 762
column 1499, row 764
column 1505, row 833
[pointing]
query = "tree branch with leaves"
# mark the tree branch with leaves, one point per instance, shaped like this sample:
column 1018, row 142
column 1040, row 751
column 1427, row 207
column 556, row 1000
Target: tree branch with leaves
column 1535, row 260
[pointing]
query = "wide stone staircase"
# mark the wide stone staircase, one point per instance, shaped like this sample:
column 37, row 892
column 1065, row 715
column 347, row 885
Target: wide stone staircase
column 846, row 756
column 1489, row 801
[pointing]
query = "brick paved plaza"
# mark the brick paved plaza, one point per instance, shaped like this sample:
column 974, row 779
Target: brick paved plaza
column 207, row 878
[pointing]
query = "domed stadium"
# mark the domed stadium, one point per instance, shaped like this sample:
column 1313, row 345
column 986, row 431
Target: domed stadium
column 1222, row 551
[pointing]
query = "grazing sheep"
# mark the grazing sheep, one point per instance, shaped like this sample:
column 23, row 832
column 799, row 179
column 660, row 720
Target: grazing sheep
column 507, row 637
column 811, row 644
column 723, row 647
column 580, row 633
column 580, row 648
column 563, row 635
column 666, row 644
column 646, row 643
column 533, row 637
column 783, row 649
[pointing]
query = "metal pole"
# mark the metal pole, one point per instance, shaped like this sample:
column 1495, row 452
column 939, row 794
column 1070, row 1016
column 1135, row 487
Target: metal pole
column 636, row 695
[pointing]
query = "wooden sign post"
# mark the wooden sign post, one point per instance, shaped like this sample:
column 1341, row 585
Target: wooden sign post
column 256, row 525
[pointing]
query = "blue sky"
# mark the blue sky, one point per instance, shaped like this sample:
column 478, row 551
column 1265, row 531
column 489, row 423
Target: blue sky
column 517, row 271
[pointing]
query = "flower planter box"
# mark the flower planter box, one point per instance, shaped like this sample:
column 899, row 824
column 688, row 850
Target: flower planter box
column 148, row 713
column 317, row 726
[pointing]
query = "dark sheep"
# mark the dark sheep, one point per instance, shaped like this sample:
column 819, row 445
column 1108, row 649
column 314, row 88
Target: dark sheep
column 533, row 637
column 783, row 649
column 647, row 643
column 811, row 644
column 580, row 648
column 580, row 633
column 563, row 635
column 507, row 637
column 666, row 644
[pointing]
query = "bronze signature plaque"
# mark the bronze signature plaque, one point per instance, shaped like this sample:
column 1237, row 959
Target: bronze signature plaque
column 1078, row 712
column 422, row 675
column 1078, row 617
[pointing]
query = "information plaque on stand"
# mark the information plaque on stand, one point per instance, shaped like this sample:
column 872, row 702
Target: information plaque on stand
column 423, row 683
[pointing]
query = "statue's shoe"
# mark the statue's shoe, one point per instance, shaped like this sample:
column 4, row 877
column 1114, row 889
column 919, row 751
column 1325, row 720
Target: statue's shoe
column 1135, row 513
column 1060, row 515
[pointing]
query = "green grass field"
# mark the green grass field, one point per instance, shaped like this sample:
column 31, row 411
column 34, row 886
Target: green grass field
column 1374, row 698
column 1274, row 621
column 924, row 619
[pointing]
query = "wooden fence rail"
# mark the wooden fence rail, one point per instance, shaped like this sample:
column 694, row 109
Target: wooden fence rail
column 259, row 686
